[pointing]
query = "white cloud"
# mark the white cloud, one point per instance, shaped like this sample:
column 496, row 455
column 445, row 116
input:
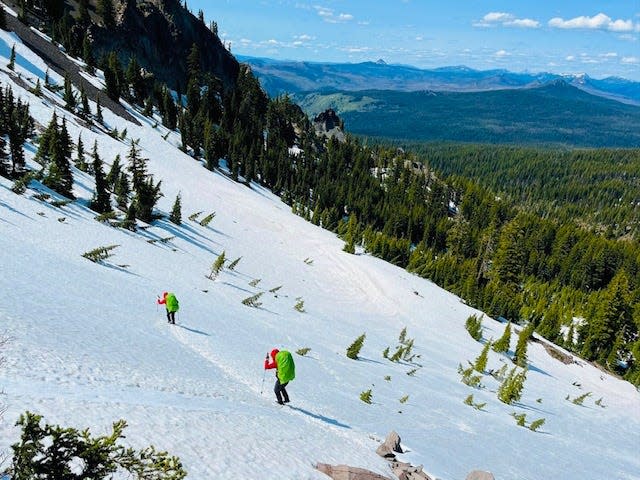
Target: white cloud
column 504, row 19
column 570, row 58
column 502, row 53
column 630, row 60
column 304, row 37
column 608, row 55
column 329, row 16
column 597, row 22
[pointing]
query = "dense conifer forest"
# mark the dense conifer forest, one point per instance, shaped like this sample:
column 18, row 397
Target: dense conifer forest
column 540, row 236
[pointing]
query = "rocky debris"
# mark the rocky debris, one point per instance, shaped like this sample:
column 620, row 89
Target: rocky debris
column 480, row 475
column 402, row 470
column 406, row 471
column 345, row 472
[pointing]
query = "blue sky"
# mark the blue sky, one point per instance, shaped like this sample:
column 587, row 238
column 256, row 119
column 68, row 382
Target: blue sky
column 562, row 36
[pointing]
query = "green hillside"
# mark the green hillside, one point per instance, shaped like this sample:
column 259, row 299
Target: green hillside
column 555, row 114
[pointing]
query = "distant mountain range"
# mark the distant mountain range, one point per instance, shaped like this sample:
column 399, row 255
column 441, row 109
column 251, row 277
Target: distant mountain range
column 460, row 104
column 279, row 77
column 556, row 113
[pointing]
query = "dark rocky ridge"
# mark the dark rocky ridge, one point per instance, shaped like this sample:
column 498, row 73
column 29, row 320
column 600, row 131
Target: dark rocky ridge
column 160, row 33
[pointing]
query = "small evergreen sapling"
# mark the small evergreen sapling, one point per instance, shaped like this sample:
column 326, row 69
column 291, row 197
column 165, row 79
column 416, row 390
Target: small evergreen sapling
column 217, row 266
column 520, row 357
column 502, row 345
column 253, row 301
column 468, row 378
column 207, row 220
column 232, row 266
column 12, row 58
column 480, row 364
column 580, row 400
column 521, row 419
column 99, row 254
column 176, row 211
column 474, row 327
column 511, row 388
column 366, row 396
column 404, row 399
column 536, row 424
column 303, row 351
column 354, row 348
column 254, row 283
column 194, row 216
column 275, row 289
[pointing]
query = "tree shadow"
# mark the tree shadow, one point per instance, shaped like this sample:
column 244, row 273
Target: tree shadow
column 193, row 330
column 369, row 360
column 330, row 421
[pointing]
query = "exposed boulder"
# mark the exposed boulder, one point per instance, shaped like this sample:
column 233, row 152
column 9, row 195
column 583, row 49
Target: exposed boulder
column 480, row 475
column 345, row 472
column 390, row 447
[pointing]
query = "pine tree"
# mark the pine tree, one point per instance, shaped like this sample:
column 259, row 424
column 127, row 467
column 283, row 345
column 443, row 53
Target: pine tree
column 122, row 191
column 176, row 211
column 130, row 218
column 473, row 325
column 503, row 343
column 480, row 364
column 613, row 316
column 147, row 195
column 69, row 97
column 520, row 357
column 114, row 173
column 354, row 348
column 107, row 13
column 511, row 388
column 137, row 165
column 84, row 101
column 4, row 156
column 101, row 202
column 112, row 84
column 99, row 118
column 217, row 266
column 55, row 151
column 12, row 58
column 80, row 162
column 351, row 235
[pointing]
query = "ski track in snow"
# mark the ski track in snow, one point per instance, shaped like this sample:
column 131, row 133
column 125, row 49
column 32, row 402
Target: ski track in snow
column 88, row 344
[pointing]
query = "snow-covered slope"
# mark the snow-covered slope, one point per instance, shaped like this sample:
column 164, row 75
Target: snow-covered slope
column 88, row 344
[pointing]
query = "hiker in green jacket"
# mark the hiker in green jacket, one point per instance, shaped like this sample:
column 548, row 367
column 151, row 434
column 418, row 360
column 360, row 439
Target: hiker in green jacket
column 170, row 301
column 282, row 361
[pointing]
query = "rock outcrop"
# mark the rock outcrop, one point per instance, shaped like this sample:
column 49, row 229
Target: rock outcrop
column 345, row 472
column 329, row 125
column 160, row 33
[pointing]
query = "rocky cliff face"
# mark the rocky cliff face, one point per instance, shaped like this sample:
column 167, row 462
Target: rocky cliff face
column 329, row 125
column 160, row 34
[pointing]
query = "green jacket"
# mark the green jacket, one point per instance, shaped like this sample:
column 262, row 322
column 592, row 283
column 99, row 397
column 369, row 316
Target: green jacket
column 172, row 303
column 286, row 367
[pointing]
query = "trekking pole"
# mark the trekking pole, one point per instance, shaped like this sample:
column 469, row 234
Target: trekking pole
column 264, row 374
